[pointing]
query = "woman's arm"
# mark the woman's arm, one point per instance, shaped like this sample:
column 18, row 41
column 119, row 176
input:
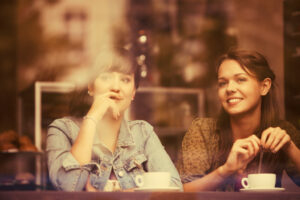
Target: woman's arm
column 82, row 148
column 64, row 170
column 293, row 153
column 242, row 152
column 208, row 182
column 276, row 138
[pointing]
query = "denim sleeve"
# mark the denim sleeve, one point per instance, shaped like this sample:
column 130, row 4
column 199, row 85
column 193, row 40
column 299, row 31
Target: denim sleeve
column 64, row 170
column 158, row 158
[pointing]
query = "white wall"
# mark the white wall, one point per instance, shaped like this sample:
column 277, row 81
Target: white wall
column 259, row 26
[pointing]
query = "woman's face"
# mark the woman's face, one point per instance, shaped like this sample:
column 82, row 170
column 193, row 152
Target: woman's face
column 239, row 92
column 119, row 83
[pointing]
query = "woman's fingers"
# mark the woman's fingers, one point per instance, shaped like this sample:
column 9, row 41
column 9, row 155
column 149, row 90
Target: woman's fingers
column 264, row 136
column 252, row 144
column 241, row 149
column 255, row 144
column 273, row 139
column 278, row 136
column 249, row 147
column 244, row 149
column 242, row 152
column 107, row 101
column 270, row 140
column 115, row 111
column 285, row 140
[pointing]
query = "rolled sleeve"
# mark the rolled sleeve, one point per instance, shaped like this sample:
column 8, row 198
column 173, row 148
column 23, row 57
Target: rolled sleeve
column 70, row 163
column 64, row 170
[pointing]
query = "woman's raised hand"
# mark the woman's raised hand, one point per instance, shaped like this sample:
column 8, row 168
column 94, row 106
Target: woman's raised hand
column 273, row 139
column 103, row 103
column 242, row 152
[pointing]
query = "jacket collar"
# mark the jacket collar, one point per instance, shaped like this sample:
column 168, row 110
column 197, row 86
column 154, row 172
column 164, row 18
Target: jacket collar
column 125, row 136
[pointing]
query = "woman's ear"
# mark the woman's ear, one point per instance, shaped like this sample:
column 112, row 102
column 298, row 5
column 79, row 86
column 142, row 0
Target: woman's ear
column 133, row 95
column 265, row 86
column 90, row 89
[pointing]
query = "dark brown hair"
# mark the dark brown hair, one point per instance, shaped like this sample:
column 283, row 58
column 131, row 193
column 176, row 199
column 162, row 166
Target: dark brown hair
column 119, row 59
column 256, row 65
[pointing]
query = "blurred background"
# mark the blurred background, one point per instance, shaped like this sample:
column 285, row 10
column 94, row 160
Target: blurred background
column 47, row 43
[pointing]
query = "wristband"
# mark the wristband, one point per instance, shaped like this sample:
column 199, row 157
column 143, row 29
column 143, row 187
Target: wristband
column 91, row 118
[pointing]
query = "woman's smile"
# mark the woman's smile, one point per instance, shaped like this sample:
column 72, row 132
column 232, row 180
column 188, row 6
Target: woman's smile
column 234, row 101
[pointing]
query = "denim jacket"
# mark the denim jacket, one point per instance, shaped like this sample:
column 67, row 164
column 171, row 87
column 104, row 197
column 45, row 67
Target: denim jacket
column 138, row 150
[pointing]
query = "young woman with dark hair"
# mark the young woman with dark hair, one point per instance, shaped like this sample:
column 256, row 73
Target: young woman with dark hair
column 97, row 149
column 216, row 154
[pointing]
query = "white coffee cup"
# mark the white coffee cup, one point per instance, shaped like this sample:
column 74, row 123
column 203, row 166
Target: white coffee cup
column 153, row 180
column 263, row 180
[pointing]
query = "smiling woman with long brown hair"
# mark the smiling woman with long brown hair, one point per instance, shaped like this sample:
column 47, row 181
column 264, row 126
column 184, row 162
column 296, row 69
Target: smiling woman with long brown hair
column 217, row 153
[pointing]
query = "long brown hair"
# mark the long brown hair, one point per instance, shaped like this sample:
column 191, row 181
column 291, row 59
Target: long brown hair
column 258, row 66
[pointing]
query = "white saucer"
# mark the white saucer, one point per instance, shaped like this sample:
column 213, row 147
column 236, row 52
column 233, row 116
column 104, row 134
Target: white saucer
column 277, row 189
column 154, row 189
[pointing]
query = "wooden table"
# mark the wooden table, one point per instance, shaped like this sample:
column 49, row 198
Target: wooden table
column 59, row 195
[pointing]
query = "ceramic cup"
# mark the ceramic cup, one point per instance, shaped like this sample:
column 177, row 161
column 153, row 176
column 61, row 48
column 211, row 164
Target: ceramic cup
column 263, row 180
column 153, row 180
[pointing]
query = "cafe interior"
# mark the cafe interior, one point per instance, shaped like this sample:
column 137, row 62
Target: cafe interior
column 47, row 46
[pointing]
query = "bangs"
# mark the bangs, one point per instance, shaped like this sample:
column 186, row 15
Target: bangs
column 111, row 61
column 121, row 65
column 115, row 60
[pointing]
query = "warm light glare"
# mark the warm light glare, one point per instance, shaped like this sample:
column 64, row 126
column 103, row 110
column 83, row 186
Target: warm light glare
column 143, row 39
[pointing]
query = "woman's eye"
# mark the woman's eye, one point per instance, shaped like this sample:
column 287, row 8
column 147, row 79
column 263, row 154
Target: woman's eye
column 221, row 83
column 126, row 79
column 104, row 76
column 240, row 80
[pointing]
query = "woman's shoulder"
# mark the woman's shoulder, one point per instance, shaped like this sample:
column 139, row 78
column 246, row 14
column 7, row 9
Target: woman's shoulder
column 64, row 121
column 206, row 125
column 202, row 130
column 138, row 122
column 141, row 131
column 140, row 125
column 199, row 146
column 68, row 125
column 205, row 121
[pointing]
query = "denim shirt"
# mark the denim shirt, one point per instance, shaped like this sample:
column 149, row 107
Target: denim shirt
column 138, row 150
